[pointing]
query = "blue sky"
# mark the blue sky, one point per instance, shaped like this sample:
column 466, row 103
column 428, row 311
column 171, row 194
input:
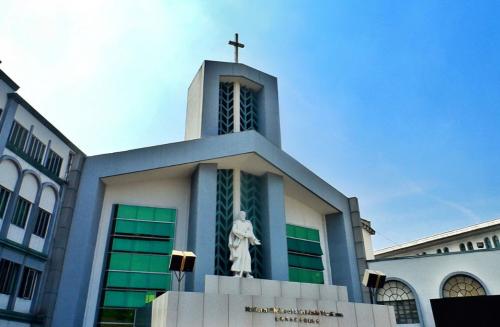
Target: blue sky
column 395, row 102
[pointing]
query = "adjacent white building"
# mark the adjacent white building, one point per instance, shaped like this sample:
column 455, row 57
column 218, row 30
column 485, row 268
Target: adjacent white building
column 462, row 262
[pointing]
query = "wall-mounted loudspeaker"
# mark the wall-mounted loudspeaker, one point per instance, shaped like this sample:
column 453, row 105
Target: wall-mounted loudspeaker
column 373, row 279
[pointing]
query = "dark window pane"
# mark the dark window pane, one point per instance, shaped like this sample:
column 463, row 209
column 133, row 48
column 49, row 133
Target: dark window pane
column 54, row 162
column 36, row 149
column 18, row 136
column 8, row 273
column 4, row 199
column 42, row 222
column 21, row 212
column 28, row 283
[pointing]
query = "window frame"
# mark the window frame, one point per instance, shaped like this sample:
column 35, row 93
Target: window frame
column 26, row 213
column 28, row 283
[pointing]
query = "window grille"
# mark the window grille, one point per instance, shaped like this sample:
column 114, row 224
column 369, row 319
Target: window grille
column 462, row 247
column 36, row 149
column 42, row 222
column 400, row 296
column 496, row 242
column 470, row 247
column 487, row 242
column 21, row 212
column 462, row 285
column 28, row 283
column 54, row 162
column 8, row 273
column 4, row 199
column 18, row 136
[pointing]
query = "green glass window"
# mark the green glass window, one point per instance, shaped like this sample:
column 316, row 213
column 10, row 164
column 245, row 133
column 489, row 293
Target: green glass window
column 304, row 255
column 138, row 280
column 146, row 246
column 305, row 275
column 127, row 299
column 124, row 226
column 141, row 243
column 139, row 262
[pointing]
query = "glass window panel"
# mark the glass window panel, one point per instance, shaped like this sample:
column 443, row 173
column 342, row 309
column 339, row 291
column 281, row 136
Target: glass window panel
column 139, row 262
column 117, row 315
column 125, row 211
column 145, row 213
column 138, row 280
column 305, row 275
column 303, row 261
column 166, row 215
column 126, row 299
column 144, row 228
column 21, row 212
column 148, row 246
column 8, row 273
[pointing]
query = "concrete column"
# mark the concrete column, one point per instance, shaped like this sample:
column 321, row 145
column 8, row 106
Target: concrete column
column 236, row 191
column 54, row 269
column 275, row 250
column 236, row 106
column 6, row 122
column 359, row 245
column 342, row 254
column 201, row 237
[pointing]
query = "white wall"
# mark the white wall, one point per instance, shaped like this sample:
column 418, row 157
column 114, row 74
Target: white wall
column 168, row 193
column 367, row 240
column 454, row 245
column 426, row 273
column 24, row 118
column 25, row 165
column 298, row 213
column 8, row 175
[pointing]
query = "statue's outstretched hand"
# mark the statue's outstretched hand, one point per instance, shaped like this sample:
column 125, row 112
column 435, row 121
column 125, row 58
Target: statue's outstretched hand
column 257, row 242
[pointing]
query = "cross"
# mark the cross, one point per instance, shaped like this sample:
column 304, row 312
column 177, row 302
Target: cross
column 236, row 45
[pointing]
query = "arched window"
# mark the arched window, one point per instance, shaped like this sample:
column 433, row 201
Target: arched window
column 496, row 242
column 462, row 285
column 439, row 251
column 462, row 247
column 470, row 247
column 446, row 250
column 402, row 299
column 487, row 242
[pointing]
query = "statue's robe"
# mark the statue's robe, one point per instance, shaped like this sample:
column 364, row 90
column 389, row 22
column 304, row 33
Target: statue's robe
column 240, row 238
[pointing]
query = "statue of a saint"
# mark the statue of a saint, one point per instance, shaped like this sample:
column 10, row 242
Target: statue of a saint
column 240, row 238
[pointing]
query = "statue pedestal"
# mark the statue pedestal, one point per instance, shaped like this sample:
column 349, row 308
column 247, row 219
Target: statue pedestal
column 233, row 301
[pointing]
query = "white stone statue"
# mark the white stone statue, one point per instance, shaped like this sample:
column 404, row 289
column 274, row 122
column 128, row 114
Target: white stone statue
column 240, row 238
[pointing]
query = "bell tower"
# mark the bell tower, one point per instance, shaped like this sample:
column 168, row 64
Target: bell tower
column 226, row 98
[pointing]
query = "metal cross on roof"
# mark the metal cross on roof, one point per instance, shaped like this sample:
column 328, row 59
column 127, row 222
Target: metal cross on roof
column 236, row 45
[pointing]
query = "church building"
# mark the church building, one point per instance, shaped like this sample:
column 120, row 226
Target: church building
column 124, row 213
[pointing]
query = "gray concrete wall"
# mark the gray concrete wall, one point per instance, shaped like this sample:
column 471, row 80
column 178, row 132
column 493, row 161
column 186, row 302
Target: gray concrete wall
column 61, row 234
column 201, row 237
column 79, row 255
column 207, row 91
column 194, row 106
column 275, row 249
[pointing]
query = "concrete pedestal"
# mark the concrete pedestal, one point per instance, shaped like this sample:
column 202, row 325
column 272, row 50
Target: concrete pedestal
column 232, row 301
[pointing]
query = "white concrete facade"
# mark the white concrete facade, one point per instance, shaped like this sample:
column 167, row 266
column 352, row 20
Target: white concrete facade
column 228, row 301
column 164, row 193
column 425, row 275
column 300, row 214
column 28, row 121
